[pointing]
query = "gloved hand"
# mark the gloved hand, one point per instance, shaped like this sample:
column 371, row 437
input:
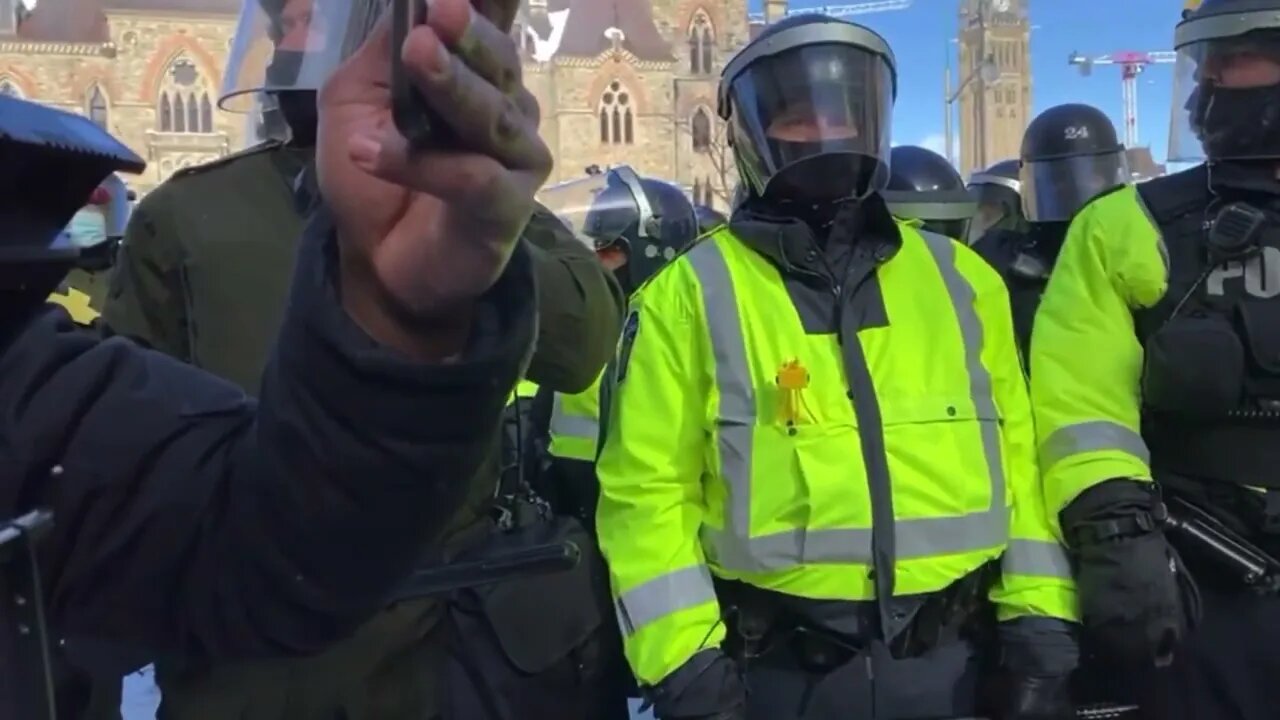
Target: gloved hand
column 1038, row 655
column 707, row 687
column 1136, row 599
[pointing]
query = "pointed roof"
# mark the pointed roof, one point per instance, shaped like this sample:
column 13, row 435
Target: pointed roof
column 86, row 20
column 589, row 19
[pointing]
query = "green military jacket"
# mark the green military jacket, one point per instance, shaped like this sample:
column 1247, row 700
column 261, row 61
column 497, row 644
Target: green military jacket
column 205, row 265
column 203, row 276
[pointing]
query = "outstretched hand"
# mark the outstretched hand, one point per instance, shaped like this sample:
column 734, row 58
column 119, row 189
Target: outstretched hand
column 428, row 232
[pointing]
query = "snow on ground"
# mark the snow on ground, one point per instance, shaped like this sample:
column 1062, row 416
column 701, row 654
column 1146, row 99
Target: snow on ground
column 141, row 698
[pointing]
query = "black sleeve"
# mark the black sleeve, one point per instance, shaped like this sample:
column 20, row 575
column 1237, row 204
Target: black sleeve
column 190, row 520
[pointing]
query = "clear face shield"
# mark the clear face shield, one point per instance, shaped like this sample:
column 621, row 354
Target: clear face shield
column 1054, row 190
column 811, row 122
column 287, row 45
column 600, row 209
column 997, row 201
column 1226, row 93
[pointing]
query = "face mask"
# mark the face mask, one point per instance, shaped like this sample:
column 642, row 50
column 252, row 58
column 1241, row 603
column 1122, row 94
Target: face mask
column 87, row 228
column 1238, row 123
column 285, row 69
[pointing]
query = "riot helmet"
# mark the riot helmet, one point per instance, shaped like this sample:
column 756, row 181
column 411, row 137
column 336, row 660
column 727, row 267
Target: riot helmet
column 809, row 103
column 924, row 186
column 288, row 49
column 1070, row 155
column 1226, row 95
column 709, row 218
column 649, row 220
column 998, row 193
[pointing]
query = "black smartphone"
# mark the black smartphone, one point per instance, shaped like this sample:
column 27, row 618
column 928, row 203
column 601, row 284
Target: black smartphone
column 415, row 120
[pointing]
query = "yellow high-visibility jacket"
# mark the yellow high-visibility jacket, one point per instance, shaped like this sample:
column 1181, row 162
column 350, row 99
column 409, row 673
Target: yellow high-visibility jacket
column 523, row 389
column 714, row 465
column 575, row 424
column 1086, row 360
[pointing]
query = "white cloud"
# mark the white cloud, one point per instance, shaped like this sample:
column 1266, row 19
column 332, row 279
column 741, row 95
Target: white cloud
column 936, row 142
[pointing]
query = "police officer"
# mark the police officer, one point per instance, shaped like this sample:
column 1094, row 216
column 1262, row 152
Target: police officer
column 207, row 286
column 926, row 187
column 1151, row 362
column 82, row 292
column 1070, row 155
column 790, row 488
column 190, row 519
column 230, row 223
column 998, row 192
column 636, row 225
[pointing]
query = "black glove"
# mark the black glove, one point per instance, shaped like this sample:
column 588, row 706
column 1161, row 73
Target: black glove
column 1038, row 655
column 1136, row 598
column 1039, row 698
column 707, row 687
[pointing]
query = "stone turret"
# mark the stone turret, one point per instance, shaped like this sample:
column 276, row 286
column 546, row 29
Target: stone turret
column 774, row 10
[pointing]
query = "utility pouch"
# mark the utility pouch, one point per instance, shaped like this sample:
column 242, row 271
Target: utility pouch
column 1259, row 322
column 1194, row 366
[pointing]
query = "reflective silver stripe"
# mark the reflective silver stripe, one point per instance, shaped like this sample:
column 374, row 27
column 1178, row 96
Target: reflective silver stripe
column 572, row 426
column 1092, row 436
column 664, row 595
column 733, row 548
column 1036, row 557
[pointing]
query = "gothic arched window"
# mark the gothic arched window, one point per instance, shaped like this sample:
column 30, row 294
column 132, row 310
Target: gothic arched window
column 702, row 44
column 617, row 119
column 184, row 105
column 96, row 107
column 700, row 130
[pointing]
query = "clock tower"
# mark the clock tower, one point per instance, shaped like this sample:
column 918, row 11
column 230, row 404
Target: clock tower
column 995, row 104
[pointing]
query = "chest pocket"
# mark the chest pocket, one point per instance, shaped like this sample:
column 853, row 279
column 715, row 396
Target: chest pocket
column 935, row 448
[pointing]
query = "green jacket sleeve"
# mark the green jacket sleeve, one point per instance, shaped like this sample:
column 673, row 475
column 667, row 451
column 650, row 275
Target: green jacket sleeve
column 1086, row 361
column 1035, row 575
column 146, row 300
column 580, row 308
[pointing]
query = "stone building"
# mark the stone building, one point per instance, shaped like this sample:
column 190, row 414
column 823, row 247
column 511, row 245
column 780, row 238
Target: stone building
column 147, row 70
column 619, row 81
column 994, row 111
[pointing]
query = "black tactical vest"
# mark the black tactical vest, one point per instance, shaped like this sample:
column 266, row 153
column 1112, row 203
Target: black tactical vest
column 1211, row 375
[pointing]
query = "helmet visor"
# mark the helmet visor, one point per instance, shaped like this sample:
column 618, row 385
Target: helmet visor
column 597, row 211
column 284, row 45
column 1054, row 190
column 932, row 205
column 995, row 203
column 830, row 103
column 1222, row 45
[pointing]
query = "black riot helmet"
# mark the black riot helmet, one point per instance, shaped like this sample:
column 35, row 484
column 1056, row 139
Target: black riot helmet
column 1227, row 82
column 651, row 220
column 709, row 218
column 925, row 186
column 1070, row 155
column 809, row 103
column 998, row 193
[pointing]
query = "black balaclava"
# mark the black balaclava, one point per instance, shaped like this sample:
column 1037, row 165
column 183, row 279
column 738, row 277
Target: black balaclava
column 298, row 107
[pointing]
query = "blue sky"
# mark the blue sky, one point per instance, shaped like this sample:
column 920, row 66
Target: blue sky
column 921, row 39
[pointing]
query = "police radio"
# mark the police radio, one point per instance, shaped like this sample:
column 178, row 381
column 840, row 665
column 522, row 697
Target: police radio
column 1235, row 233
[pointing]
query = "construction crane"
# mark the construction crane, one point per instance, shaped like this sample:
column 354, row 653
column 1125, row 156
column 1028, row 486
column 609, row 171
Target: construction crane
column 841, row 11
column 1132, row 63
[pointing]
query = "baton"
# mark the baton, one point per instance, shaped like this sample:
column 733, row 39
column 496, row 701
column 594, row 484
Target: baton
column 499, row 567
